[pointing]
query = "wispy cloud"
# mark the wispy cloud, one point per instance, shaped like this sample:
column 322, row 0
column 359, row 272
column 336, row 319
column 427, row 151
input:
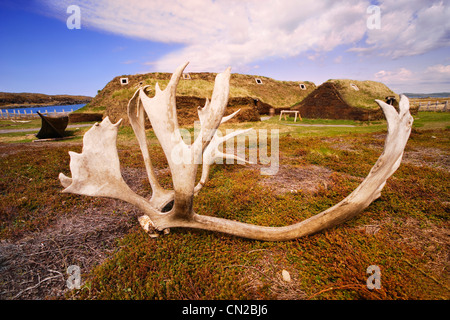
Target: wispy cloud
column 408, row 28
column 217, row 34
column 338, row 59
column 424, row 80
column 220, row 33
column 397, row 76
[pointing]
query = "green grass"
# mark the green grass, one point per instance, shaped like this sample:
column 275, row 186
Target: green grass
column 8, row 124
column 367, row 93
column 431, row 120
column 412, row 215
column 91, row 109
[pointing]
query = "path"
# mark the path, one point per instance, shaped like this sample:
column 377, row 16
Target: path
column 37, row 129
column 320, row 125
column 311, row 125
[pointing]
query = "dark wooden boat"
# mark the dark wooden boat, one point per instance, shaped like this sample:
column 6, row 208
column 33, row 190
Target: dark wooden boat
column 52, row 127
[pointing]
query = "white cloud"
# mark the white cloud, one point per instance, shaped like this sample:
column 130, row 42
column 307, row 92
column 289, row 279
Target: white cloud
column 215, row 34
column 408, row 28
column 222, row 33
column 400, row 75
column 439, row 70
column 431, row 79
column 314, row 56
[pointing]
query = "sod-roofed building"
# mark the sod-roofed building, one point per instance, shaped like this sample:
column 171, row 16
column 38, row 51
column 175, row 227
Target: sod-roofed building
column 254, row 95
column 347, row 99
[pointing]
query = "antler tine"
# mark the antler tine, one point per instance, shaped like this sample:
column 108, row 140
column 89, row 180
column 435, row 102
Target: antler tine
column 160, row 196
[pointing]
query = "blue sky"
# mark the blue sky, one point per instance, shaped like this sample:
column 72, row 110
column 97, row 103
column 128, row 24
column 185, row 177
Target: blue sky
column 307, row 40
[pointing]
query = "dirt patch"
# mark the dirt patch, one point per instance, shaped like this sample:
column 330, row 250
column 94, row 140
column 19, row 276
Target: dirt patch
column 338, row 143
column 431, row 157
column 344, row 144
column 307, row 179
column 432, row 243
column 265, row 277
column 35, row 267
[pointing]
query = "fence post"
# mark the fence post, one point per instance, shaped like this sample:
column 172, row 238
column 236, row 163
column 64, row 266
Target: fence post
column 445, row 106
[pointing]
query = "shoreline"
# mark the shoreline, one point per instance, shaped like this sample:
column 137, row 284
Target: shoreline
column 39, row 105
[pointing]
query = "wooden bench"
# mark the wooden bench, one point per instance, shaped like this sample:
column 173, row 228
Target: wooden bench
column 297, row 113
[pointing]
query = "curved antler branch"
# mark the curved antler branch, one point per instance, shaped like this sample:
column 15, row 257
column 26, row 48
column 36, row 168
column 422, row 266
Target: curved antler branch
column 96, row 171
column 399, row 128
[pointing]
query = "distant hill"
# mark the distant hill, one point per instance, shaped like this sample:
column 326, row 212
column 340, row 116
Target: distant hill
column 428, row 95
column 253, row 94
column 25, row 99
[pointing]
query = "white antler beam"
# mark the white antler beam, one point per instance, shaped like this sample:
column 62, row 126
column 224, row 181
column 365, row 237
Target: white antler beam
column 96, row 171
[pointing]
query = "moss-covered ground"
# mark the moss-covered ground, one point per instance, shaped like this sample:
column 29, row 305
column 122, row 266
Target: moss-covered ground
column 405, row 232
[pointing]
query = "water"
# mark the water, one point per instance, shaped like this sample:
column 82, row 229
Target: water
column 49, row 109
column 428, row 95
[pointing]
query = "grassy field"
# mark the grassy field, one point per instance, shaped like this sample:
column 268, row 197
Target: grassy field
column 405, row 232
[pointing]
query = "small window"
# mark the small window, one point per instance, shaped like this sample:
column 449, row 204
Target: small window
column 354, row 86
column 302, row 86
column 258, row 80
column 123, row 81
column 186, row 76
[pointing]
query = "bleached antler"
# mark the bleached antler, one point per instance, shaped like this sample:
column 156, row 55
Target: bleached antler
column 96, row 170
column 160, row 197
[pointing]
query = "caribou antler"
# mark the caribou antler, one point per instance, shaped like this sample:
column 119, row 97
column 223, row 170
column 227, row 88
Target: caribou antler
column 96, row 170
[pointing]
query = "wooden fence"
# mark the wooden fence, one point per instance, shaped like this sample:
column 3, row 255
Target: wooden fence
column 14, row 114
column 440, row 106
